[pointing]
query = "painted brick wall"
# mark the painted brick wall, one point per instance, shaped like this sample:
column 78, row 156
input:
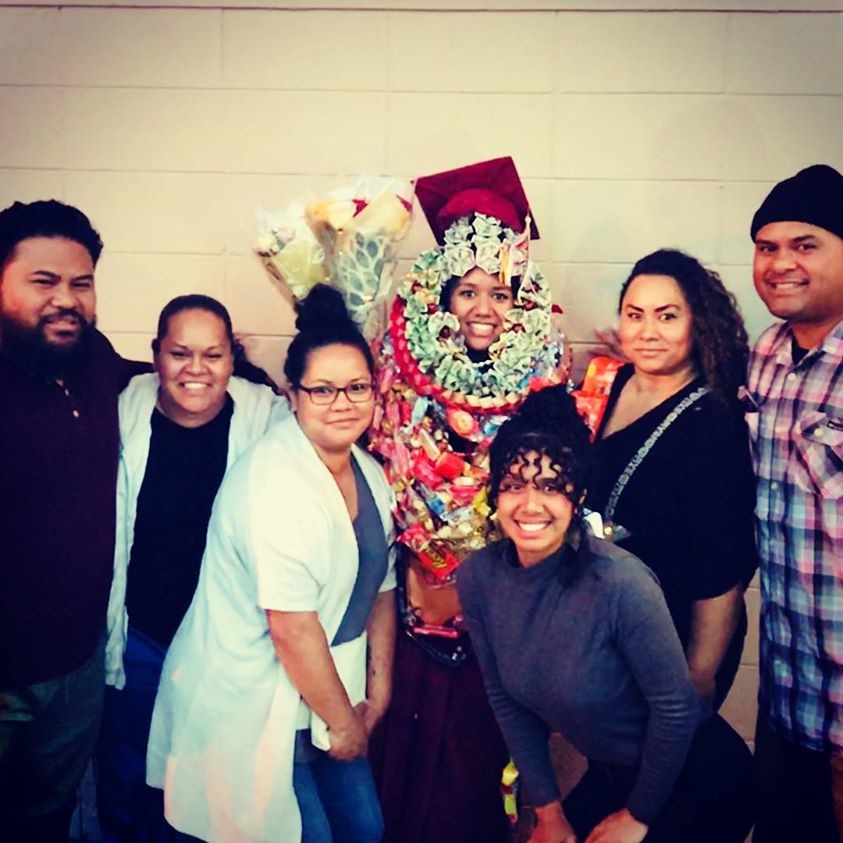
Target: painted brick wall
column 633, row 130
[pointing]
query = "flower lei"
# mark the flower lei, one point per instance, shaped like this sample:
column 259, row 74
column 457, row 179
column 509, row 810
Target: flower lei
column 429, row 389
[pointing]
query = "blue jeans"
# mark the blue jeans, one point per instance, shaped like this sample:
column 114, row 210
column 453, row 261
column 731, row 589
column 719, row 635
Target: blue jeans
column 129, row 810
column 338, row 801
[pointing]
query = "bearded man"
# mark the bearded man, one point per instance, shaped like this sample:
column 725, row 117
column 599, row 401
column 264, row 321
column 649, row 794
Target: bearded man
column 59, row 381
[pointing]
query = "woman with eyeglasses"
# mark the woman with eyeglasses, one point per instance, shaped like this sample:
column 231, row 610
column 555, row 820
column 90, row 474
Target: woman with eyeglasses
column 283, row 663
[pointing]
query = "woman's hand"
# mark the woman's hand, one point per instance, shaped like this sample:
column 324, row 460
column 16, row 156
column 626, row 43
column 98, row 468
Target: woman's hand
column 620, row 827
column 371, row 711
column 551, row 826
column 303, row 650
column 349, row 740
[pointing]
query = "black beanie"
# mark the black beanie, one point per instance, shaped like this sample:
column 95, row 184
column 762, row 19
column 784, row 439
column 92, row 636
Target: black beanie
column 814, row 195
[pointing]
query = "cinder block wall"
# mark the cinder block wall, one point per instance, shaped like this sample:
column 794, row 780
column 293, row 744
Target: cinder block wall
column 633, row 130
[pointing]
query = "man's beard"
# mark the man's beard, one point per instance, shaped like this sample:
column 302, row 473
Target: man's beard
column 30, row 347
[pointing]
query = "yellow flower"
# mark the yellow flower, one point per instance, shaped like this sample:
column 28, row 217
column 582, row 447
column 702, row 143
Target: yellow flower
column 385, row 215
column 337, row 213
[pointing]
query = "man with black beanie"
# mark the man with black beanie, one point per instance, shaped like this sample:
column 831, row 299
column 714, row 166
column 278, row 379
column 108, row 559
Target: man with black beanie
column 795, row 417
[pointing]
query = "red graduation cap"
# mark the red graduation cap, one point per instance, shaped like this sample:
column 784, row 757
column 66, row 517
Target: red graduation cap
column 488, row 187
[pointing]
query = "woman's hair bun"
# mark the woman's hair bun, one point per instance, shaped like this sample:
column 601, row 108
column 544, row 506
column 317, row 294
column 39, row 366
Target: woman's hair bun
column 322, row 319
column 549, row 409
column 323, row 308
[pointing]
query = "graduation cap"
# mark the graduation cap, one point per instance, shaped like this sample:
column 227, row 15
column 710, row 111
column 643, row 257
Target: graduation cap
column 488, row 187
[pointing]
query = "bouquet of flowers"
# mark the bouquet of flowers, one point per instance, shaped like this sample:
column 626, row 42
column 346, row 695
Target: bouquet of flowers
column 349, row 239
column 289, row 249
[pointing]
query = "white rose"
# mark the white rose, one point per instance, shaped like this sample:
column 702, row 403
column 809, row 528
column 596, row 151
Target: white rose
column 267, row 244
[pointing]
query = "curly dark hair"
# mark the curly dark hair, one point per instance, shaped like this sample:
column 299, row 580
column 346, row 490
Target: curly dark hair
column 547, row 424
column 46, row 218
column 720, row 349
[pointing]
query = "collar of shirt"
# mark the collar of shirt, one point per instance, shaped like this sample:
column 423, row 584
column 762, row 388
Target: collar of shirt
column 779, row 344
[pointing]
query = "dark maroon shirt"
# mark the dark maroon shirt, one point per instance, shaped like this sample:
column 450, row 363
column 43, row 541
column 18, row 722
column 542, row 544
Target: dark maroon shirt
column 58, row 473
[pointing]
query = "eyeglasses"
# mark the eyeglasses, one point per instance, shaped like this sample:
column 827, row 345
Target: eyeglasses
column 357, row 393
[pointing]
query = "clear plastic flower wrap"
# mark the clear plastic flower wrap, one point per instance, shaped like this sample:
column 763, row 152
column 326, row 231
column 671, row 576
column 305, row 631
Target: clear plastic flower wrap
column 289, row 249
column 350, row 238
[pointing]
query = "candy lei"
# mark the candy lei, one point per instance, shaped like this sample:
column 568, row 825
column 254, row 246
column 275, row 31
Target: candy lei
column 430, row 389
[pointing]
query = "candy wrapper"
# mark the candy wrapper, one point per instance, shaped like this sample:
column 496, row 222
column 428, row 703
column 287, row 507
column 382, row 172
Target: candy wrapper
column 349, row 239
column 441, row 494
column 509, row 791
column 593, row 396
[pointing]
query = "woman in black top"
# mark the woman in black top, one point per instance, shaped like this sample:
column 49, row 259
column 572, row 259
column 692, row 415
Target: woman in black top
column 672, row 478
column 180, row 429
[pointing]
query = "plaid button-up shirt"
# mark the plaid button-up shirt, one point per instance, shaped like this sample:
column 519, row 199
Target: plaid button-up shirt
column 796, row 429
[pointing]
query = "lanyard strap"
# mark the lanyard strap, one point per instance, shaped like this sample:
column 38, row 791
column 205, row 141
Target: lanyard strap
column 642, row 452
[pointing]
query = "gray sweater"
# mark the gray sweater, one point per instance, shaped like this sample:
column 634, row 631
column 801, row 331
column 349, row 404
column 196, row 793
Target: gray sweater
column 596, row 658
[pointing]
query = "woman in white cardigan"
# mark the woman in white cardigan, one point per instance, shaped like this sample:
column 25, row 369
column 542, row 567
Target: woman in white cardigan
column 283, row 663
column 180, row 428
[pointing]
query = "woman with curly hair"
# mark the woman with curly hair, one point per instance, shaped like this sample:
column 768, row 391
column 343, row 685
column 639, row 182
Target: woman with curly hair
column 573, row 636
column 672, row 477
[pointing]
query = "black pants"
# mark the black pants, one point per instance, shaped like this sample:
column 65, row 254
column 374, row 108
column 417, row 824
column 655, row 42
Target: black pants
column 711, row 802
column 795, row 791
column 47, row 735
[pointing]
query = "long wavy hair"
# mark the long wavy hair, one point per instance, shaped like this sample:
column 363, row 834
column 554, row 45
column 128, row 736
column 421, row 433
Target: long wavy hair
column 720, row 348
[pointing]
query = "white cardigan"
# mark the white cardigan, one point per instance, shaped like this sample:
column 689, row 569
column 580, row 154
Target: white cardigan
column 223, row 730
column 255, row 408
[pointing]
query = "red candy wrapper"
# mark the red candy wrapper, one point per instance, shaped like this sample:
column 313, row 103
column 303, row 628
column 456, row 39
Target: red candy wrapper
column 464, row 495
column 434, row 556
column 591, row 408
column 423, row 470
column 439, row 560
column 450, row 466
column 593, row 396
